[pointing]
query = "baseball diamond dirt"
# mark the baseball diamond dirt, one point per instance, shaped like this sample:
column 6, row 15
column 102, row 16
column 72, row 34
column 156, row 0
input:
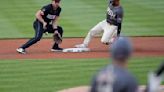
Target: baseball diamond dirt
column 86, row 89
column 143, row 46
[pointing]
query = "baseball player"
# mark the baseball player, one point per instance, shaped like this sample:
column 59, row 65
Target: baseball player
column 115, row 77
column 155, row 78
column 46, row 22
column 110, row 27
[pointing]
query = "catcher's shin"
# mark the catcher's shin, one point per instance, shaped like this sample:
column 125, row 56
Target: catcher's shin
column 57, row 38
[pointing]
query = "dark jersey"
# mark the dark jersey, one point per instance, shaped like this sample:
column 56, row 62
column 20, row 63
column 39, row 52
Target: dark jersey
column 49, row 13
column 114, row 14
column 114, row 79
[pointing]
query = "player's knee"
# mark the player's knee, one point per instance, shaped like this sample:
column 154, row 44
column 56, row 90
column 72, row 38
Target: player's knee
column 106, row 42
column 91, row 32
column 60, row 30
column 37, row 39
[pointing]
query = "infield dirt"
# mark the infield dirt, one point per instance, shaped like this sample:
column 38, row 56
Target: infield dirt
column 143, row 46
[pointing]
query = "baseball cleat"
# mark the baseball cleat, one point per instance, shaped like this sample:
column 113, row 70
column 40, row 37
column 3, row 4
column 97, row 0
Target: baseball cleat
column 21, row 51
column 81, row 46
column 57, row 50
column 106, row 43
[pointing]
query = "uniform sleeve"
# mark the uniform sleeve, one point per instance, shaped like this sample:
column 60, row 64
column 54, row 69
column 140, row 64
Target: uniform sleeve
column 120, row 15
column 59, row 11
column 45, row 9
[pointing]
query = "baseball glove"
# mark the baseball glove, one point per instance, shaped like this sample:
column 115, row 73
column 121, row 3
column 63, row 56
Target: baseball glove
column 57, row 38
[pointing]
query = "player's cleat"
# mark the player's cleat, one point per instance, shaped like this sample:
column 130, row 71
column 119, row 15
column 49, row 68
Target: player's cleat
column 81, row 46
column 21, row 51
column 106, row 43
column 57, row 50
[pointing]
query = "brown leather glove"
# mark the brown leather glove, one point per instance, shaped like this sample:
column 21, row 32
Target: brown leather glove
column 57, row 37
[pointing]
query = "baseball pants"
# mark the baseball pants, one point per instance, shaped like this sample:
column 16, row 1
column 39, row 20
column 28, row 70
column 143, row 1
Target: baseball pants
column 39, row 31
column 107, row 29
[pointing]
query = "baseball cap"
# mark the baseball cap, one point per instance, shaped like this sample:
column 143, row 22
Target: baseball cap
column 57, row 1
column 121, row 48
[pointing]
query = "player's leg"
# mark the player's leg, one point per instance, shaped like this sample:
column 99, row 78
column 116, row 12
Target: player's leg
column 38, row 27
column 94, row 31
column 109, row 32
column 114, row 36
column 55, row 46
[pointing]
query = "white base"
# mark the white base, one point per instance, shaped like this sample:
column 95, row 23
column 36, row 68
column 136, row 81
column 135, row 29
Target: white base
column 75, row 50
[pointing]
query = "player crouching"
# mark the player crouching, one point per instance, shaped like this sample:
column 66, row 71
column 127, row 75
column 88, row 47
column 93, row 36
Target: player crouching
column 111, row 26
column 46, row 22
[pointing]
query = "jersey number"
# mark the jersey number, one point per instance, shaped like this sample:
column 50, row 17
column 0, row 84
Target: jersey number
column 110, row 12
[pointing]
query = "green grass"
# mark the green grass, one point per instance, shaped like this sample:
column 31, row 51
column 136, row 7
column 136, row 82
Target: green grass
column 53, row 75
column 142, row 17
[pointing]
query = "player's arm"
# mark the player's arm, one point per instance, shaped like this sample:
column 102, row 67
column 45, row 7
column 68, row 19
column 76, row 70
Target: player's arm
column 119, row 21
column 119, row 29
column 55, row 23
column 57, row 36
column 39, row 15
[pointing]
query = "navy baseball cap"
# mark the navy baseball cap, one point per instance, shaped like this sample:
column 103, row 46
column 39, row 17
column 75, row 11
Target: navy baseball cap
column 121, row 49
column 57, row 1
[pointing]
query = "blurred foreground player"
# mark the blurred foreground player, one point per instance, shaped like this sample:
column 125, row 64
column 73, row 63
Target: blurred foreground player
column 46, row 22
column 115, row 77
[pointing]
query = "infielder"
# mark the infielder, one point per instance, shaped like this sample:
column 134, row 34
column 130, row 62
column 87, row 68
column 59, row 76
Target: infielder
column 46, row 22
column 110, row 27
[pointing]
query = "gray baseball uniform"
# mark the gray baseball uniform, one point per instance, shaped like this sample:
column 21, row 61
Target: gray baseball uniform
column 123, row 81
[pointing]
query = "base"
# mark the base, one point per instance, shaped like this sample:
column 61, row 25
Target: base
column 75, row 50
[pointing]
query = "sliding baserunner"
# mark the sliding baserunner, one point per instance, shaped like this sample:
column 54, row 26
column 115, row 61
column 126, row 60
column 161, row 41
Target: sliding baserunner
column 111, row 26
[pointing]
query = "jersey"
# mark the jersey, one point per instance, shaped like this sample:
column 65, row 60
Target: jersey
column 114, row 14
column 49, row 13
column 116, row 79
